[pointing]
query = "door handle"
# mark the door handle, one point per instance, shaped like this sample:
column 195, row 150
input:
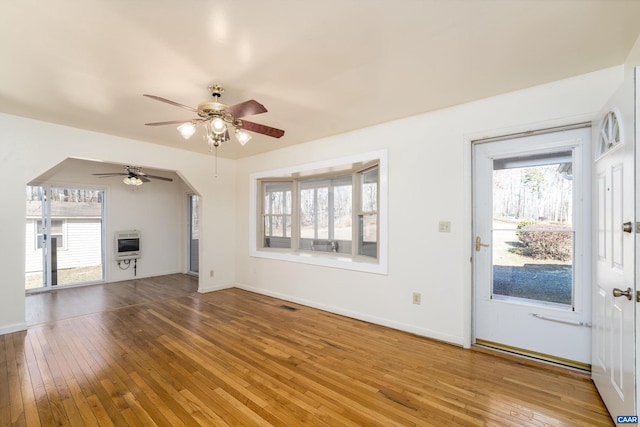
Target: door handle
column 479, row 244
column 618, row 293
column 627, row 227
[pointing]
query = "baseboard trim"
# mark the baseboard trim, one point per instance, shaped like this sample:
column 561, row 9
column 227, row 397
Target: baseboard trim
column 206, row 289
column 427, row 333
column 9, row 329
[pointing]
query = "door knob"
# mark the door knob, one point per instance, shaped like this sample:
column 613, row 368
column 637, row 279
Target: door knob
column 479, row 244
column 618, row 293
column 627, row 227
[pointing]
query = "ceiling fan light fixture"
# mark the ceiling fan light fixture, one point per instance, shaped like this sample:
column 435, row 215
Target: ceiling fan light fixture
column 218, row 126
column 218, row 120
column 187, row 129
column 132, row 180
column 242, row 136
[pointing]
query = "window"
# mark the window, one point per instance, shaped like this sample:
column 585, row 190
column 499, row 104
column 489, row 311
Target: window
column 276, row 214
column 368, row 215
column 193, row 246
column 69, row 220
column 609, row 136
column 326, row 207
column 327, row 213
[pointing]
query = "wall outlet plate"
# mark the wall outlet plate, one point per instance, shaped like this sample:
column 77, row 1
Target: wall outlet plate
column 417, row 298
column 444, row 226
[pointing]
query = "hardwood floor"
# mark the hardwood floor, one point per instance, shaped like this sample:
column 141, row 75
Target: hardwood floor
column 64, row 303
column 232, row 357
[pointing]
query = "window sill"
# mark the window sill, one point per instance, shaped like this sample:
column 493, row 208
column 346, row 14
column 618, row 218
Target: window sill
column 331, row 260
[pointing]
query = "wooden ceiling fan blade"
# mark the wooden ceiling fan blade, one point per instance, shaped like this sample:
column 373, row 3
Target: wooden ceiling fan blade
column 247, row 108
column 162, row 178
column 143, row 179
column 265, row 130
column 170, row 122
column 158, row 98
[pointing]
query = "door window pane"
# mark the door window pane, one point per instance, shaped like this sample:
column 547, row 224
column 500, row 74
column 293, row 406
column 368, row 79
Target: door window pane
column 74, row 238
column 533, row 235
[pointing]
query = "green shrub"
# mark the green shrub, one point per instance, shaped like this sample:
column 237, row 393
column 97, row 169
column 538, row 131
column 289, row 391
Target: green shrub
column 556, row 244
column 522, row 224
column 525, row 223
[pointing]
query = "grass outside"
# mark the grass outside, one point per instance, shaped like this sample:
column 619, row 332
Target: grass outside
column 517, row 275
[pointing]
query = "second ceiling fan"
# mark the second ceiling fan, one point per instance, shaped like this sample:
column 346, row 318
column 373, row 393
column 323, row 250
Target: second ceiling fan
column 217, row 118
column 133, row 175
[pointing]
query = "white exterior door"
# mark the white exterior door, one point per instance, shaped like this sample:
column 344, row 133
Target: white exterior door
column 531, row 223
column 614, row 289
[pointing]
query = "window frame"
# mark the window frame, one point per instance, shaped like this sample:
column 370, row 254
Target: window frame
column 352, row 165
column 62, row 235
column 263, row 215
column 361, row 213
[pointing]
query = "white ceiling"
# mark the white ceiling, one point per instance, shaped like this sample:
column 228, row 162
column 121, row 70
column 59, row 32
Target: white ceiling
column 320, row 67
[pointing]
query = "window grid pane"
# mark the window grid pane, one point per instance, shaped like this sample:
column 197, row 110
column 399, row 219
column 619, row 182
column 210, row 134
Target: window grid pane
column 324, row 214
column 342, row 212
column 276, row 213
column 369, row 195
column 325, row 210
column 368, row 218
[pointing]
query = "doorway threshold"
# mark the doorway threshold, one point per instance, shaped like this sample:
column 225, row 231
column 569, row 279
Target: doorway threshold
column 543, row 360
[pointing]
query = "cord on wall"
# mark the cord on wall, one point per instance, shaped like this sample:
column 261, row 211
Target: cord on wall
column 127, row 264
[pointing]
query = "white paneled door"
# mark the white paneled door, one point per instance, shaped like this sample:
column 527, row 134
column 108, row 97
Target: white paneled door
column 614, row 289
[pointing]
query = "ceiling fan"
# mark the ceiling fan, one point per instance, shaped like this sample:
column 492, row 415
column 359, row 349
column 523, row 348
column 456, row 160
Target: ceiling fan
column 217, row 118
column 133, row 175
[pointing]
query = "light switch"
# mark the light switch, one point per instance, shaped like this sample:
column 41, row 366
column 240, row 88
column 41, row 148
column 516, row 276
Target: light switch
column 444, row 226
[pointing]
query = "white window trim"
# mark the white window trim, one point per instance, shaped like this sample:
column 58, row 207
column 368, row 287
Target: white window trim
column 341, row 261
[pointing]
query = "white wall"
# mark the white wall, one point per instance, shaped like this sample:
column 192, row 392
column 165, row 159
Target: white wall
column 429, row 181
column 30, row 148
column 633, row 59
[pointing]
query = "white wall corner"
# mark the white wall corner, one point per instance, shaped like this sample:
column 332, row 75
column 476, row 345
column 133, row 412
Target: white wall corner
column 213, row 288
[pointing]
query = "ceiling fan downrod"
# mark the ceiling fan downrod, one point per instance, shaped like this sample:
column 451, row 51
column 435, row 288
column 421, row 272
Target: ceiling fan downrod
column 216, row 91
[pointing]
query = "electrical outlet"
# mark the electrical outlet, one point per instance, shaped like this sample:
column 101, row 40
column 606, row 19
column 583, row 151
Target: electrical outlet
column 211, row 273
column 416, row 298
column 444, row 226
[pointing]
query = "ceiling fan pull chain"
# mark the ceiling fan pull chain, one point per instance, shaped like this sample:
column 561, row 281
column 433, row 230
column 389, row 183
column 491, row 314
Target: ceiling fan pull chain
column 216, row 167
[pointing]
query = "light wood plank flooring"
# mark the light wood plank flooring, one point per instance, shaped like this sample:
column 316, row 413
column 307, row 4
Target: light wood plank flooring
column 236, row 358
column 63, row 303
